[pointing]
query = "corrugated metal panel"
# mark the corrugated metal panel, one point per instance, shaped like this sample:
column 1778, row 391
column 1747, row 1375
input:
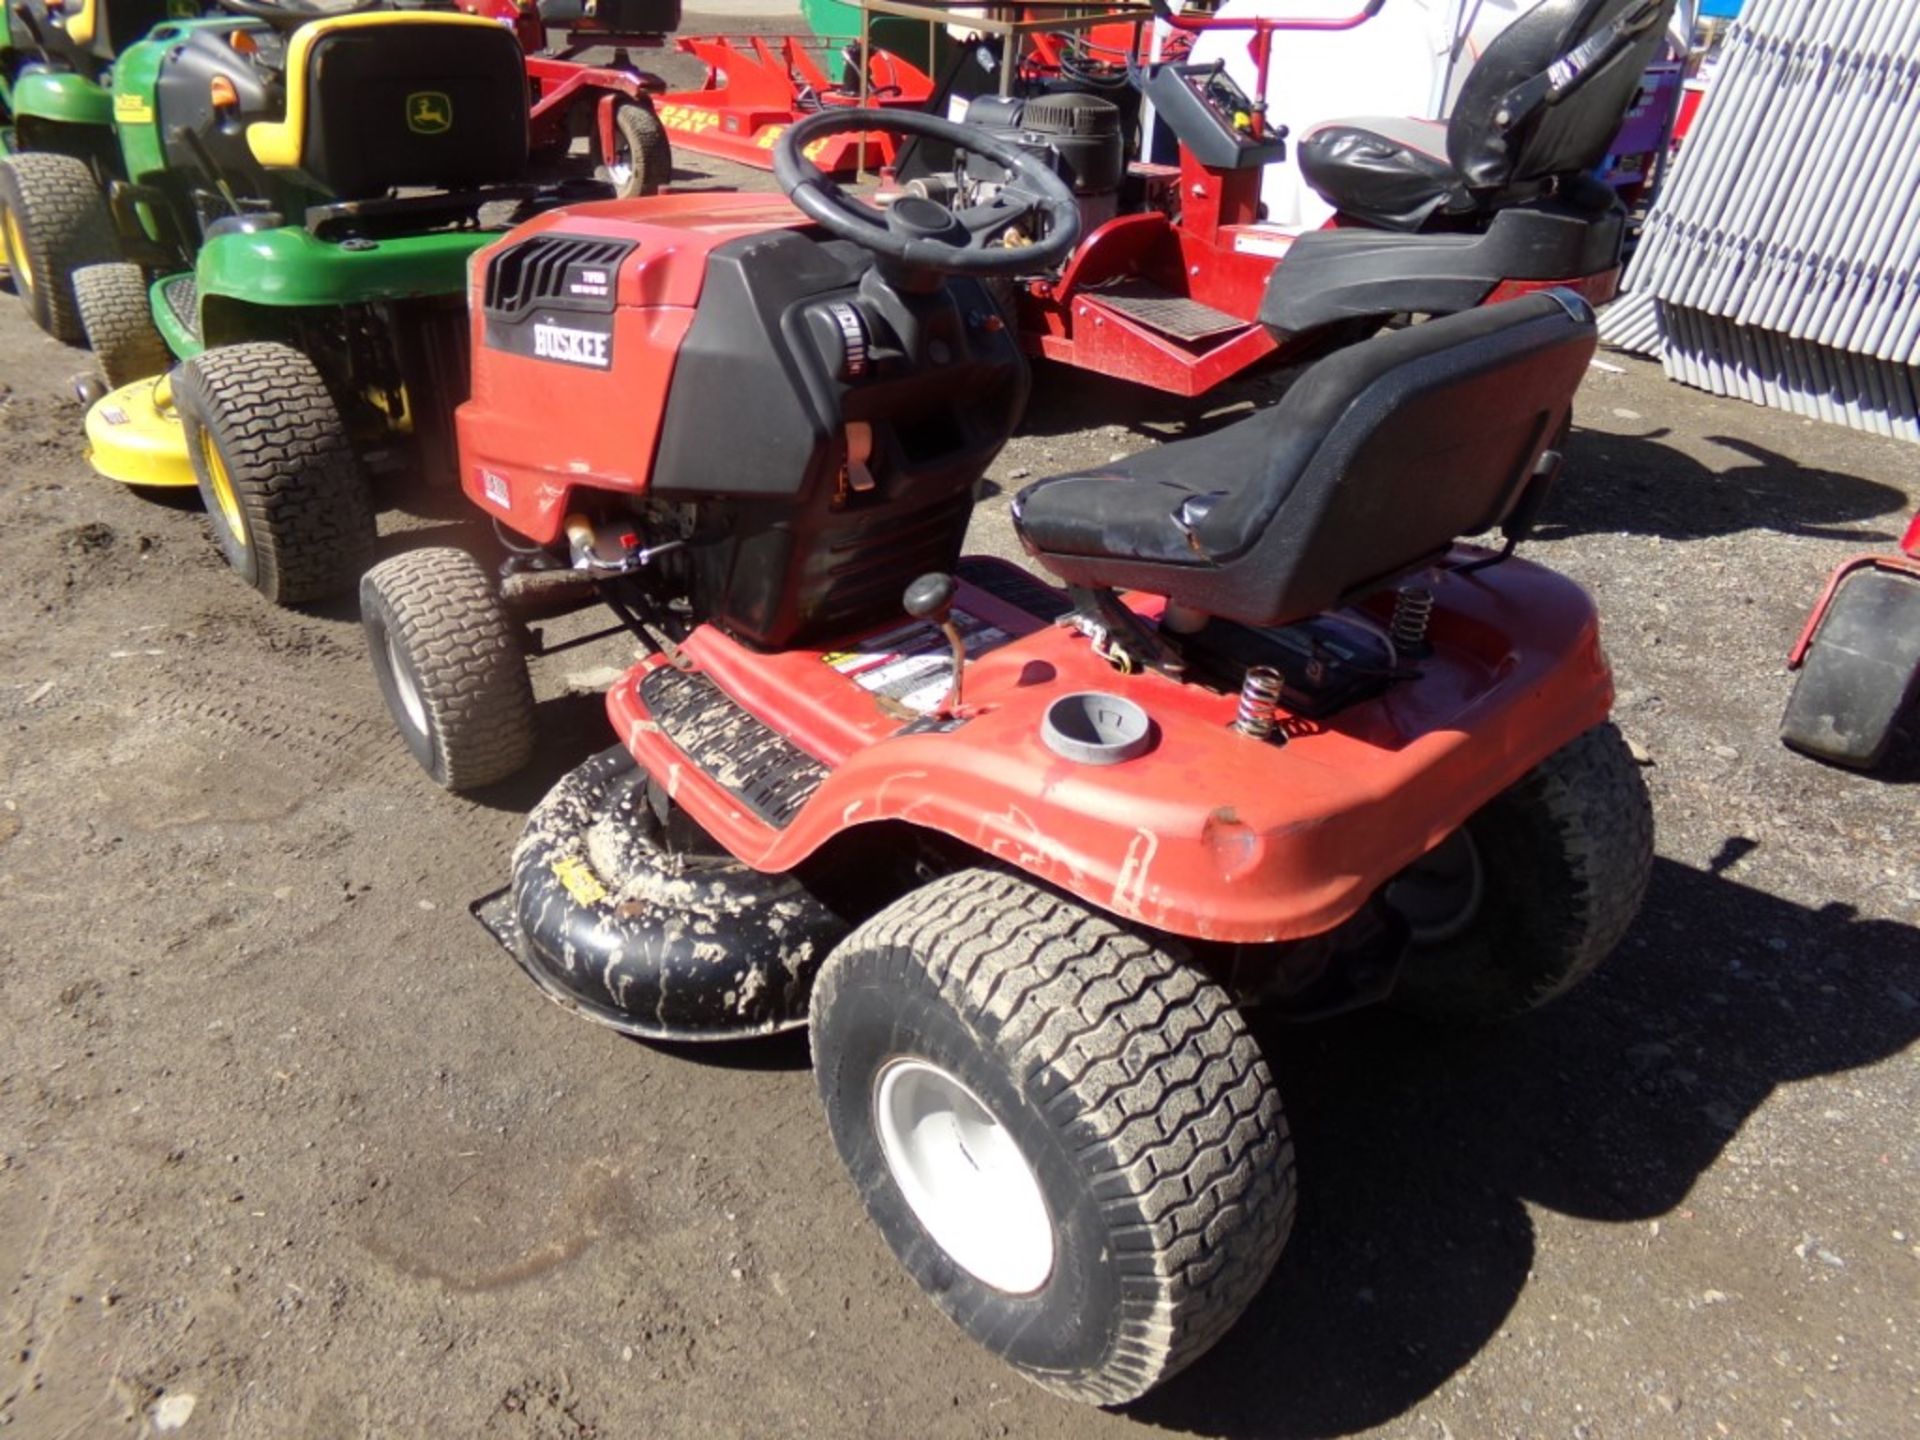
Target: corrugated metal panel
column 1784, row 252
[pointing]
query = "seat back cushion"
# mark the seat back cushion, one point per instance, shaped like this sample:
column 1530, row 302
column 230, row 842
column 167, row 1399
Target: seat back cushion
column 124, row 22
column 1387, row 171
column 1424, row 435
column 424, row 104
column 1562, row 139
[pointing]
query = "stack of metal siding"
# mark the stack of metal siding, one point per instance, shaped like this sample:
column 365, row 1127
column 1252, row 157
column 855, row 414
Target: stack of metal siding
column 1780, row 261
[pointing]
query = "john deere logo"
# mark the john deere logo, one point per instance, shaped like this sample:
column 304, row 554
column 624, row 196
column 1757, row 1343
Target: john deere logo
column 429, row 112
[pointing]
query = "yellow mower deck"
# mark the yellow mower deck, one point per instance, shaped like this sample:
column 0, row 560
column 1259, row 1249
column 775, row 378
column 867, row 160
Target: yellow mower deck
column 134, row 436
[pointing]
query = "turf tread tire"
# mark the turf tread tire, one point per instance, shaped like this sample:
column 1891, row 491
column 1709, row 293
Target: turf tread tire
column 304, row 497
column 1146, row 1066
column 65, row 226
column 649, row 149
column 1579, row 829
column 117, row 315
column 468, row 670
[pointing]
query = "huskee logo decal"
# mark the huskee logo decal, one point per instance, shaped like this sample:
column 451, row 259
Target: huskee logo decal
column 570, row 346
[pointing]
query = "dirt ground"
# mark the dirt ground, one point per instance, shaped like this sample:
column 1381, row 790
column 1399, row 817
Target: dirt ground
column 284, row 1132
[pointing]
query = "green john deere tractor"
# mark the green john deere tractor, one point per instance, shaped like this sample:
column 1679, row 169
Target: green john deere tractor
column 57, row 150
column 301, row 197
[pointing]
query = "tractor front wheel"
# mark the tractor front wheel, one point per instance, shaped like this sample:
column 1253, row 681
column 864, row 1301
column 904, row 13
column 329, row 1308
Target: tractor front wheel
column 283, row 489
column 118, row 317
column 53, row 224
column 449, row 666
column 642, row 162
column 1061, row 1126
column 1526, row 899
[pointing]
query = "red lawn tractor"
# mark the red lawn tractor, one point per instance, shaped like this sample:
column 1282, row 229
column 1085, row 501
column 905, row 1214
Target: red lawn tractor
column 613, row 105
column 1017, row 844
column 1179, row 284
column 1858, row 659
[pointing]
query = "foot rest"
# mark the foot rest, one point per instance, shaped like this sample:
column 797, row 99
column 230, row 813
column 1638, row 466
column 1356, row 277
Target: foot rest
column 756, row 765
column 1170, row 314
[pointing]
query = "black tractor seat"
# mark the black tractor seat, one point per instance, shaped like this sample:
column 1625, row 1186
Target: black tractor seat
column 1541, row 103
column 1370, row 467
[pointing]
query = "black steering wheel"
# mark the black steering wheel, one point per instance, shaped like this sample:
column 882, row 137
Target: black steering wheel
column 292, row 14
column 923, row 234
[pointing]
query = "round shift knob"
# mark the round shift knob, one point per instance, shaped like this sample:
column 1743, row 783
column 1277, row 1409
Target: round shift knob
column 930, row 598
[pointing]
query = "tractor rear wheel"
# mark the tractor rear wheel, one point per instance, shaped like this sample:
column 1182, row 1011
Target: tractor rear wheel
column 449, row 665
column 117, row 315
column 1533, row 892
column 1061, row 1126
column 53, row 223
column 642, row 162
column 283, row 488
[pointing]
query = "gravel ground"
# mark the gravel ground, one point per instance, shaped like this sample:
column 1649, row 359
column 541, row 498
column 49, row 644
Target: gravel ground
column 282, row 1131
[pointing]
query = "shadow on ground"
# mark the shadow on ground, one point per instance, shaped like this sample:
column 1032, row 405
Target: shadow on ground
column 1639, row 485
column 1418, row 1148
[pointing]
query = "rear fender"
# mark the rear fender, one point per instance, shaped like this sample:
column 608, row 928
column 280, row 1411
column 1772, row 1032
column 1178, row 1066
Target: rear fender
column 63, row 97
column 1209, row 835
column 288, row 267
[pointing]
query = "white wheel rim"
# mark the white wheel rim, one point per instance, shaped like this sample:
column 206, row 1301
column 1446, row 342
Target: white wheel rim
column 963, row 1176
column 403, row 686
column 1440, row 894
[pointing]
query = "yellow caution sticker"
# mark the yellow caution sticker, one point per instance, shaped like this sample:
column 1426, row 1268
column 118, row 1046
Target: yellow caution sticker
column 132, row 110
column 580, row 881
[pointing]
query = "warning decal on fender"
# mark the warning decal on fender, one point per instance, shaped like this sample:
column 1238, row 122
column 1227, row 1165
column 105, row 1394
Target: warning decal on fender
column 912, row 665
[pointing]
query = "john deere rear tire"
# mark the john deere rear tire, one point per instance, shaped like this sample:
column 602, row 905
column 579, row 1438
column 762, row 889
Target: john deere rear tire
column 283, row 489
column 646, row 165
column 117, row 315
column 53, row 223
column 1061, row 1127
column 1548, row 876
column 449, row 665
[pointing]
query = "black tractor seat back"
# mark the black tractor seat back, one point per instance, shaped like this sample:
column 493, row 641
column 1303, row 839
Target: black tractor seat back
column 1506, row 141
column 1370, row 467
column 422, row 103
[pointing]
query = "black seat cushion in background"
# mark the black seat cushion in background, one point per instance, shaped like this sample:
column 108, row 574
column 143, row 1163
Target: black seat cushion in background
column 1564, row 139
column 1370, row 466
column 358, row 141
column 1400, row 174
column 1389, row 172
column 120, row 23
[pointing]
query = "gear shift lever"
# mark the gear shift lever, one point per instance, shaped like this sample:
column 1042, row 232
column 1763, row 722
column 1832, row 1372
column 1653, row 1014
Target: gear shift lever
column 931, row 598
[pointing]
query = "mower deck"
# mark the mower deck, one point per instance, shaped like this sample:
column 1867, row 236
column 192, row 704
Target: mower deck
column 134, row 436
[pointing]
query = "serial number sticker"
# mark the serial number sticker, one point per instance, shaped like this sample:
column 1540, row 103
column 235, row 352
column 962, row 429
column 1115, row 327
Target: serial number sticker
column 912, row 665
column 1273, row 243
column 495, row 488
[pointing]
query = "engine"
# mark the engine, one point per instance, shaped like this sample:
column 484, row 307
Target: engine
column 1079, row 135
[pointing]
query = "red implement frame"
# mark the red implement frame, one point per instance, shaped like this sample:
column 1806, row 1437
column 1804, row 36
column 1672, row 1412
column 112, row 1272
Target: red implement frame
column 560, row 83
column 1905, row 563
column 753, row 91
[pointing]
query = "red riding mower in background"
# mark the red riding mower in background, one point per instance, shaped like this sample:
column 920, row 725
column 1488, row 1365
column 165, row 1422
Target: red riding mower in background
column 1180, row 285
column 1859, row 659
column 752, row 91
column 611, row 105
column 1257, row 731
